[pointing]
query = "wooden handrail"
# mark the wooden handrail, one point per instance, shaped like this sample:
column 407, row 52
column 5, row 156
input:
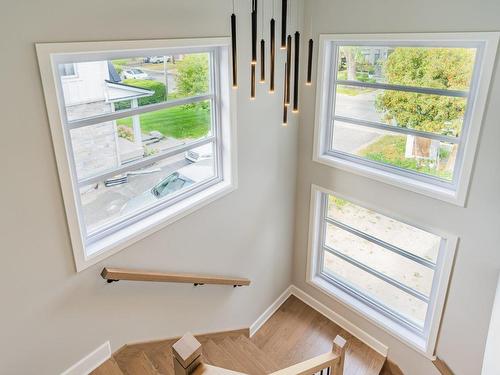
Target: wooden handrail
column 442, row 367
column 334, row 360
column 116, row 274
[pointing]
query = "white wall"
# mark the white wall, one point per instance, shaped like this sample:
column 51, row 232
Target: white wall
column 491, row 362
column 465, row 324
column 50, row 316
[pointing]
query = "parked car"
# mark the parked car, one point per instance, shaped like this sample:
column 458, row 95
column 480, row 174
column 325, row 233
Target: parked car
column 175, row 181
column 156, row 59
column 134, row 73
column 197, row 154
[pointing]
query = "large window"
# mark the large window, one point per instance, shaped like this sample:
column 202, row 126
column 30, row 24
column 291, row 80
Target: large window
column 404, row 108
column 146, row 131
column 393, row 272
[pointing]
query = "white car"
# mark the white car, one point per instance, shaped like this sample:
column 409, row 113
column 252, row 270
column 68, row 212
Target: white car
column 134, row 73
column 156, row 59
column 175, row 181
column 197, row 154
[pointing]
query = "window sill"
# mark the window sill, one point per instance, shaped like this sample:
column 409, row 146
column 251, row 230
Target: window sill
column 400, row 332
column 447, row 195
column 107, row 246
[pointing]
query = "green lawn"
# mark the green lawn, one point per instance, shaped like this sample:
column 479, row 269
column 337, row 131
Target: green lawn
column 352, row 91
column 390, row 149
column 178, row 122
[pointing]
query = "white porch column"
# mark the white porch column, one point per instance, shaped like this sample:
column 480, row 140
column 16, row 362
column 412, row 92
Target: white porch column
column 136, row 123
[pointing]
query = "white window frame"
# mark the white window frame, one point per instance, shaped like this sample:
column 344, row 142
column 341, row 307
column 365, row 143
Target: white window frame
column 423, row 342
column 152, row 220
column 454, row 192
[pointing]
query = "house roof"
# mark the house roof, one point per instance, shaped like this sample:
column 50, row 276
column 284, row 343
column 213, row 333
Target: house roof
column 116, row 92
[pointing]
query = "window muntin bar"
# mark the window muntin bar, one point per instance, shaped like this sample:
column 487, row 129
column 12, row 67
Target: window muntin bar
column 396, row 129
column 146, row 161
column 396, row 250
column 417, row 244
column 386, row 298
column 412, row 89
column 122, row 144
column 377, row 274
column 420, row 112
column 136, row 111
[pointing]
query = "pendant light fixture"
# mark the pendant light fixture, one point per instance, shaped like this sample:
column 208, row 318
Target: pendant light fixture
column 285, row 106
column 310, row 52
column 254, row 32
column 284, row 11
column 262, row 47
column 288, row 68
column 295, row 108
column 233, row 45
column 272, row 53
column 252, row 82
column 309, row 62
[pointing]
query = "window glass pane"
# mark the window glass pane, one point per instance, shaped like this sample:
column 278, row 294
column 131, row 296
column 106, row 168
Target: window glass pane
column 122, row 196
column 107, row 86
column 403, row 270
column 109, row 145
column 405, row 304
column 416, row 241
column 432, row 67
column 418, row 154
column 428, row 113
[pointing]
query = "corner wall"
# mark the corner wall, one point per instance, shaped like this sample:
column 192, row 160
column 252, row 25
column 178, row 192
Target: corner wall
column 467, row 315
column 50, row 316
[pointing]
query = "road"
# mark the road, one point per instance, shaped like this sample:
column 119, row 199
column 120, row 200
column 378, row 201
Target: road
column 351, row 138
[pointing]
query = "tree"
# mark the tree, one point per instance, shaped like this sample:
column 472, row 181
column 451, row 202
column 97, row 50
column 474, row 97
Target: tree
column 442, row 68
column 192, row 75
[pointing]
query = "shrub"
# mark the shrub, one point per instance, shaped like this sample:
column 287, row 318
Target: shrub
column 125, row 132
column 157, row 97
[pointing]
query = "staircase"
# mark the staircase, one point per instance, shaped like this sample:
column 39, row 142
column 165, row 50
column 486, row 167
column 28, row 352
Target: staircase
column 295, row 333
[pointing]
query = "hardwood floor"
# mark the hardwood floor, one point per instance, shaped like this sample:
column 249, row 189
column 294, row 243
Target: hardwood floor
column 293, row 334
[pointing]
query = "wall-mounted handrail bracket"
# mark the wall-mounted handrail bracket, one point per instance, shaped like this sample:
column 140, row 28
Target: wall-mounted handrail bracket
column 199, row 284
column 109, row 281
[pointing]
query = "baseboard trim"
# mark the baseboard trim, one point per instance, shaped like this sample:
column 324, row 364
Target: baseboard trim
column 270, row 310
column 340, row 320
column 91, row 361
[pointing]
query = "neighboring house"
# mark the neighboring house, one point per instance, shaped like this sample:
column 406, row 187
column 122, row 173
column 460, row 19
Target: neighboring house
column 91, row 89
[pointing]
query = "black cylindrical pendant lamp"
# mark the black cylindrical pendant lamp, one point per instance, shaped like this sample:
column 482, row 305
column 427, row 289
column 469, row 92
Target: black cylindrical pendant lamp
column 233, row 44
column 252, row 83
column 309, row 62
column 283, row 23
column 288, row 67
column 254, row 37
column 285, row 106
column 262, row 61
column 272, row 57
column 295, row 107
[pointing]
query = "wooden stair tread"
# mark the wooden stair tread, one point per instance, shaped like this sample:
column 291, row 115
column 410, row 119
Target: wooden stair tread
column 249, row 366
column 140, row 365
column 255, row 353
column 217, row 356
column 110, row 367
column 205, row 369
